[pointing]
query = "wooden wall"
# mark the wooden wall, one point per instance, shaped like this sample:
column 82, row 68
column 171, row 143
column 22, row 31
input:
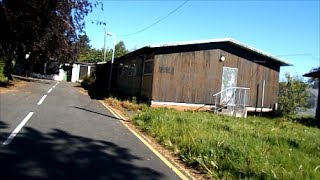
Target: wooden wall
column 126, row 83
column 134, row 83
column 194, row 76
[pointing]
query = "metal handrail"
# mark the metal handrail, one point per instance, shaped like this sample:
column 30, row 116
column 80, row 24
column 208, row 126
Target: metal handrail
column 230, row 88
column 234, row 91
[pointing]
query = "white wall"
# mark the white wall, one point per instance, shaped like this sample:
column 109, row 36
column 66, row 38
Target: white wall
column 60, row 76
column 75, row 72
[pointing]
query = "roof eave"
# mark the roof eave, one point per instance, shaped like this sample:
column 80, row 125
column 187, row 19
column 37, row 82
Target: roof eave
column 313, row 74
column 254, row 50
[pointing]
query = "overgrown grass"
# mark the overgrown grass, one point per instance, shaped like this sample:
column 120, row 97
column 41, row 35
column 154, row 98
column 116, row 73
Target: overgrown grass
column 226, row 147
column 125, row 105
column 3, row 79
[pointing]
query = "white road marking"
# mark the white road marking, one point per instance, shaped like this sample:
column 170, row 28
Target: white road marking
column 18, row 128
column 50, row 90
column 42, row 99
column 55, row 85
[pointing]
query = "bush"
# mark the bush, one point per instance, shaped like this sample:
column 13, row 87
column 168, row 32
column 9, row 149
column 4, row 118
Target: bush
column 87, row 81
column 3, row 78
column 292, row 94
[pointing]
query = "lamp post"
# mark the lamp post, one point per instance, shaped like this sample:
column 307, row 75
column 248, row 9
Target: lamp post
column 104, row 46
column 112, row 59
column 114, row 45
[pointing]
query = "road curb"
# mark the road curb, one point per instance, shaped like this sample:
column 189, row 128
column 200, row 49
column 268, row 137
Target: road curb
column 31, row 79
column 163, row 159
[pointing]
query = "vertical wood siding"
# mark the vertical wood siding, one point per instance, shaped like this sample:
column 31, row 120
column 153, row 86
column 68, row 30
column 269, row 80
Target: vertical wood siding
column 193, row 77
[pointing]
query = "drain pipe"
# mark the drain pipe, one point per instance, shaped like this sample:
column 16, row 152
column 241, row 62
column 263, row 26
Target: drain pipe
column 262, row 97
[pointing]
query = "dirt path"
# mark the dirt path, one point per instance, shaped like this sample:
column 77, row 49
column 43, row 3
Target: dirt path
column 13, row 86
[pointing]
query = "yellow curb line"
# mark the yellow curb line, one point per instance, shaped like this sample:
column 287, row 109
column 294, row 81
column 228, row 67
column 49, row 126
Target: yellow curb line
column 171, row 166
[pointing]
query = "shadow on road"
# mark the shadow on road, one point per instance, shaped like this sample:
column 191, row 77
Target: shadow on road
column 3, row 135
column 96, row 112
column 3, row 125
column 61, row 155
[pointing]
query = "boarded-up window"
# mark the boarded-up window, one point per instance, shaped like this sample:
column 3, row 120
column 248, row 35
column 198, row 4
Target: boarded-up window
column 148, row 67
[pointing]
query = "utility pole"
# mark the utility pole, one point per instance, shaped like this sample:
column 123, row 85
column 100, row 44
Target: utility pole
column 112, row 58
column 104, row 45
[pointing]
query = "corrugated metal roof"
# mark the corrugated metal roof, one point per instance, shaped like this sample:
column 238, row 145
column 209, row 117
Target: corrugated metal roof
column 229, row 40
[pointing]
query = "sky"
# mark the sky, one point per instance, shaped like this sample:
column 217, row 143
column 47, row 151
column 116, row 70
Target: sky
column 287, row 29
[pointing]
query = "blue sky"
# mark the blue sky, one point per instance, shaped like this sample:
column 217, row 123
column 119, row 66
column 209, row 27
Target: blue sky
column 288, row 29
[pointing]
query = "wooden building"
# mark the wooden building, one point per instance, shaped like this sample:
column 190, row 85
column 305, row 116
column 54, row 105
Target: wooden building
column 316, row 74
column 190, row 73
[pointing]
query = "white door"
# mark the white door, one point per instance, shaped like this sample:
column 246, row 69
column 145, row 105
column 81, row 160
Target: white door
column 229, row 79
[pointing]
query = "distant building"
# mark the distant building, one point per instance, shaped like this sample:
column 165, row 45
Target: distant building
column 316, row 74
column 311, row 105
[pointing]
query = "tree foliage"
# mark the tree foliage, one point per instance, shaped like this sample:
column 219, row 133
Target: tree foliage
column 92, row 56
column 120, row 49
column 292, row 94
column 46, row 28
column 83, row 44
column 95, row 55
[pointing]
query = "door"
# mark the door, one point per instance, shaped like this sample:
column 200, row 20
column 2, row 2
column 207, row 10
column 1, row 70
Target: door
column 229, row 79
column 147, row 75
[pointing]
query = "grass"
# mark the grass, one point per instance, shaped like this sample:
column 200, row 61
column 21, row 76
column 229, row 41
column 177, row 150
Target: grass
column 126, row 105
column 226, row 147
column 3, row 79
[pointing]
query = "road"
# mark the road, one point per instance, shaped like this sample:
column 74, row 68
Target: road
column 67, row 135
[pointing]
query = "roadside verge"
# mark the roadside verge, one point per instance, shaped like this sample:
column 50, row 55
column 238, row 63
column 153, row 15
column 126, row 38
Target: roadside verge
column 181, row 173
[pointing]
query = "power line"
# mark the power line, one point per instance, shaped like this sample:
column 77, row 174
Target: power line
column 156, row 22
column 302, row 54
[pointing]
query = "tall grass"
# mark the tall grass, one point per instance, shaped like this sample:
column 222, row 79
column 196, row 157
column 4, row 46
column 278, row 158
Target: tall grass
column 2, row 76
column 226, row 147
column 127, row 105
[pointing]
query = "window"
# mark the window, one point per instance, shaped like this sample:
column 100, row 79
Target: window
column 120, row 70
column 132, row 70
column 148, row 67
column 127, row 69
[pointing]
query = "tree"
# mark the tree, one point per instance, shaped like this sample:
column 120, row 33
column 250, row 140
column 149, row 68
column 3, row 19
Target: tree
column 292, row 94
column 46, row 28
column 120, row 49
column 92, row 56
column 95, row 55
column 83, row 44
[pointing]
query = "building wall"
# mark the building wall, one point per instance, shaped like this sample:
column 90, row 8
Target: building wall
column 194, row 76
column 128, row 76
column 131, row 77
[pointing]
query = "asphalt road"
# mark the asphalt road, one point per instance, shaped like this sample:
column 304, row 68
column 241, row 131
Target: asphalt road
column 69, row 136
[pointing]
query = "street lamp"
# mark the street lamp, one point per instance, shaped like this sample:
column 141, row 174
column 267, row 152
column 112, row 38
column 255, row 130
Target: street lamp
column 114, row 45
column 112, row 59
